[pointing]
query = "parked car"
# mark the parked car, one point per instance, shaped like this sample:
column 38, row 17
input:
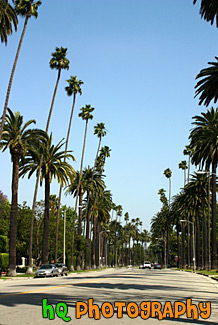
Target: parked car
column 62, row 268
column 157, row 266
column 47, row 270
column 147, row 265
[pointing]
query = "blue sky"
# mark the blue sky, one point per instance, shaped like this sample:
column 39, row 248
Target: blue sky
column 138, row 60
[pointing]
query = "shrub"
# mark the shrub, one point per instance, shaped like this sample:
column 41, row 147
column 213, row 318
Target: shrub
column 4, row 261
column 3, row 244
column 21, row 269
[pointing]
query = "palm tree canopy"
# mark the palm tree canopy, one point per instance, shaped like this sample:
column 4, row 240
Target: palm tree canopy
column 183, row 165
column 90, row 182
column 207, row 87
column 7, row 17
column 59, row 60
column 74, row 86
column 86, row 112
column 209, row 10
column 100, row 130
column 53, row 164
column 204, row 137
column 168, row 173
column 187, row 150
column 17, row 135
column 27, row 8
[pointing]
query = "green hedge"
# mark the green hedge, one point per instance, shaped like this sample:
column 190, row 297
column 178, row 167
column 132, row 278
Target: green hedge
column 3, row 244
column 4, row 261
column 21, row 269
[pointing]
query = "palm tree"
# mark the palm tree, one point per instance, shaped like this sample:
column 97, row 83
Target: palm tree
column 17, row 138
column 207, row 86
column 25, row 8
column 168, row 174
column 58, row 62
column 54, row 166
column 187, row 152
column 85, row 115
column 74, row 87
column 100, row 131
column 183, row 166
column 88, row 184
column 209, row 10
column 7, row 17
column 204, row 150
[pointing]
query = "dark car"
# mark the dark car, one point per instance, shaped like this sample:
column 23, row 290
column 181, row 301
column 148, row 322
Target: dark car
column 62, row 268
column 157, row 266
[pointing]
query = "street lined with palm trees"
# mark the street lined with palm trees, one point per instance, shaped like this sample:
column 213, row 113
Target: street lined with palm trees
column 124, row 285
column 90, row 233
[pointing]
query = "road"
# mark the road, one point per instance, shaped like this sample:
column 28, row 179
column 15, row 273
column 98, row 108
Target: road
column 21, row 300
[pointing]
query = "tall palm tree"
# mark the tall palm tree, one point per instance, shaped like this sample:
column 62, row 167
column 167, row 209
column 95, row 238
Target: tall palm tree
column 209, row 10
column 58, row 62
column 7, row 18
column 187, row 152
column 17, row 138
column 85, row 115
column 73, row 88
column 53, row 166
column 27, row 9
column 183, row 166
column 168, row 174
column 204, row 147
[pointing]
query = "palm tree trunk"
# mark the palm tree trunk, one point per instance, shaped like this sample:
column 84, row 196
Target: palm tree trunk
column 13, row 217
column 204, row 238
column 46, row 223
column 30, row 267
column 60, row 191
column 88, row 243
column 78, row 260
column 97, row 252
column 178, row 246
column 214, row 240
column 94, row 243
column 12, row 75
column 197, row 238
column 80, row 175
column 183, row 245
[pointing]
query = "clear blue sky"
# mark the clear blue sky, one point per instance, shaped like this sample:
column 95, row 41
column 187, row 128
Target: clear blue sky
column 138, row 60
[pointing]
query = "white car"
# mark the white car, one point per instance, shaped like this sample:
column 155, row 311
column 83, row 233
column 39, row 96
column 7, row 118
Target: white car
column 147, row 265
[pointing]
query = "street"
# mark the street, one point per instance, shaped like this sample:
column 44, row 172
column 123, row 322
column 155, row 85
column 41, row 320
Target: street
column 21, row 299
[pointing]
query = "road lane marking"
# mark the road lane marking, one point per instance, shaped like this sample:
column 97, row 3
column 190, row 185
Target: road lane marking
column 49, row 288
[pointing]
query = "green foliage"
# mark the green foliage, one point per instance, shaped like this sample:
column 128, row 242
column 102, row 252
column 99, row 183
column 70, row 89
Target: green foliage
column 3, row 244
column 4, row 261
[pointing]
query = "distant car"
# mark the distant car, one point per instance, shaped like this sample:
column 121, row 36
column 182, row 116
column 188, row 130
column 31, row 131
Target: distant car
column 47, row 270
column 141, row 266
column 62, row 269
column 157, row 266
column 147, row 265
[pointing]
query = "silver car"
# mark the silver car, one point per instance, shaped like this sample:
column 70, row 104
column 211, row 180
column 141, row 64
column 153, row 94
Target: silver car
column 47, row 270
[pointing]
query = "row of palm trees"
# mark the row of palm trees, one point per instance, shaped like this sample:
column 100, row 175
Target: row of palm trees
column 190, row 204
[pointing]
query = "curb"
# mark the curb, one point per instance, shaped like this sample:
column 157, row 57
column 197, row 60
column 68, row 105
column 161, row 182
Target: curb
column 207, row 275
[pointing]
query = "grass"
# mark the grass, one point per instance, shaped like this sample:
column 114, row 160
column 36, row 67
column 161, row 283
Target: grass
column 211, row 272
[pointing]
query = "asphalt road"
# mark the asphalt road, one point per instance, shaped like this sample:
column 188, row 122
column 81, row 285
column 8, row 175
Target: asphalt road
column 133, row 290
